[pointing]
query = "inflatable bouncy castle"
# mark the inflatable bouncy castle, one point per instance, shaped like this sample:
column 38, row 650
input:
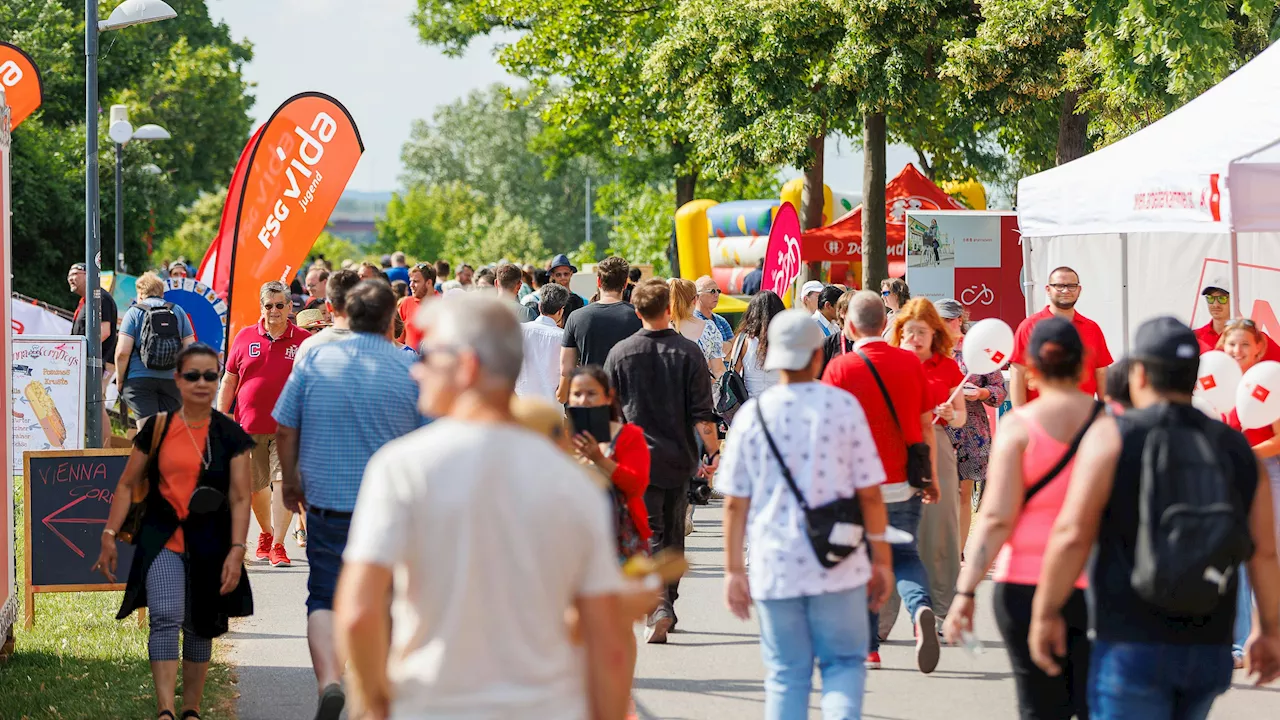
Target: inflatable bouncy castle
column 727, row 240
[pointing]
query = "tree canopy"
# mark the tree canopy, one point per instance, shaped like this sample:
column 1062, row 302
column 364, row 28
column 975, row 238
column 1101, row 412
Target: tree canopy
column 183, row 74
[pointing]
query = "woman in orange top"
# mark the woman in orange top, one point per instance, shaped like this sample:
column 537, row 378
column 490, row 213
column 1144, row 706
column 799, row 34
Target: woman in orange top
column 918, row 327
column 186, row 568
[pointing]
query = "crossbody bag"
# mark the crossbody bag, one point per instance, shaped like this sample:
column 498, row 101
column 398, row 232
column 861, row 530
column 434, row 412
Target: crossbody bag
column 1061, row 465
column 919, row 468
column 835, row 528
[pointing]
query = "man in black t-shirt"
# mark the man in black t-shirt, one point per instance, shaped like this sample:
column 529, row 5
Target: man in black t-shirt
column 107, row 314
column 591, row 333
column 1147, row 662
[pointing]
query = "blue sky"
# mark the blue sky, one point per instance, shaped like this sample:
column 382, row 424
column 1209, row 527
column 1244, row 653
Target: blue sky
column 366, row 53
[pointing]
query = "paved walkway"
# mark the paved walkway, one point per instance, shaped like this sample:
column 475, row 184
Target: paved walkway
column 710, row 669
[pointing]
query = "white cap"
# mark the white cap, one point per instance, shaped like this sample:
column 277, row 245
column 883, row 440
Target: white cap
column 793, row 339
column 1216, row 283
column 813, row 286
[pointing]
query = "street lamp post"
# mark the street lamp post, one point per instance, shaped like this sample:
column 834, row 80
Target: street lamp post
column 121, row 132
column 130, row 12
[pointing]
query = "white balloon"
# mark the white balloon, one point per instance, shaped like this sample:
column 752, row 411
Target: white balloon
column 1258, row 397
column 987, row 346
column 1217, row 380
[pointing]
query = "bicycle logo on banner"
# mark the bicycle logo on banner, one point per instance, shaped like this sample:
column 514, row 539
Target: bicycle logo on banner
column 973, row 296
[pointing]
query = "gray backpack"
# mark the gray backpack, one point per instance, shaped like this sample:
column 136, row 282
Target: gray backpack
column 1192, row 524
column 161, row 337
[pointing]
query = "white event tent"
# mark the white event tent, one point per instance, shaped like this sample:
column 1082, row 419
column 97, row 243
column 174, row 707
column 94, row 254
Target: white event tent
column 1191, row 199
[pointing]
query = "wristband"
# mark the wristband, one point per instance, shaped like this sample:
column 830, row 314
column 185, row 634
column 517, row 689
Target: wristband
column 109, row 531
column 706, row 459
column 239, row 545
column 960, row 593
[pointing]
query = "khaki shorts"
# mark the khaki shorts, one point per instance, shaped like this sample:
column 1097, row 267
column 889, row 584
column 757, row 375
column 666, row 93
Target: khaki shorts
column 265, row 461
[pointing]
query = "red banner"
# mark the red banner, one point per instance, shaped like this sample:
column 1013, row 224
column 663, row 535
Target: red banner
column 23, row 90
column 214, row 273
column 299, row 164
column 782, row 256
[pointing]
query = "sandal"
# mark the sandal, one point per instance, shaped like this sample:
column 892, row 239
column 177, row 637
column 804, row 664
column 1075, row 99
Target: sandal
column 160, row 715
column 190, row 714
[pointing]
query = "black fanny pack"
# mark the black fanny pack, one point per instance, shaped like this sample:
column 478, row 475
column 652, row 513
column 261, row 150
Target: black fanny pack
column 834, row 529
column 919, row 469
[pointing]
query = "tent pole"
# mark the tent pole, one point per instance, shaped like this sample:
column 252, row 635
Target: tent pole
column 1028, row 282
column 1124, row 290
column 1234, row 266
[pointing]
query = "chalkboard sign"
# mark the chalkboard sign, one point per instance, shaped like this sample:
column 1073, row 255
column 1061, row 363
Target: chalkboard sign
column 66, row 499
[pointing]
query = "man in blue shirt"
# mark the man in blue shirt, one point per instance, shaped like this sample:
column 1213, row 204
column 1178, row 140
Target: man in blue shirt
column 342, row 403
column 399, row 269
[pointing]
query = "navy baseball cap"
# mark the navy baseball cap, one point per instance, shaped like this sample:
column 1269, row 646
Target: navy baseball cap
column 1166, row 339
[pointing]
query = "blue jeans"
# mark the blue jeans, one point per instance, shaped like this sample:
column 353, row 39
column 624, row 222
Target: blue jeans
column 1244, row 614
column 913, row 581
column 326, row 539
column 1156, row 681
column 831, row 628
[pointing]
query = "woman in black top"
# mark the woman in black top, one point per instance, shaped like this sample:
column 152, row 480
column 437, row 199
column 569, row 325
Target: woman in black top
column 188, row 567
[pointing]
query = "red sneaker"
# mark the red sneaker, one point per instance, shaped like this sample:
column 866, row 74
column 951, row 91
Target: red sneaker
column 873, row 661
column 264, row 546
column 279, row 556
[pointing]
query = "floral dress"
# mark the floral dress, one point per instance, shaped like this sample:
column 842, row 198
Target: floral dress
column 973, row 441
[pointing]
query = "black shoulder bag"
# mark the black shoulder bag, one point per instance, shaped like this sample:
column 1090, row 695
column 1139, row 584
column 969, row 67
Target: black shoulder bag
column 919, row 468
column 1061, row 465
column 821, row 523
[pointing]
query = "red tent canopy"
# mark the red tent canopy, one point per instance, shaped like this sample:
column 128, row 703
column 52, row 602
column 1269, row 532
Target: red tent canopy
column 841, row 241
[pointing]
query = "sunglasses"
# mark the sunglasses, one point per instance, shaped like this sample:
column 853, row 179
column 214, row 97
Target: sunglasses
column 1217, row 299
column 710, row 292
column 277, row 306
column 885, row 293
column 1242, row 323
column 195, row 376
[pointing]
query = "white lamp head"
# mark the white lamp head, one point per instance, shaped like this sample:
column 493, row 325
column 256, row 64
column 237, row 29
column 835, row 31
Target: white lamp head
column 136, row 12
column 120, row 132
column 151, row 131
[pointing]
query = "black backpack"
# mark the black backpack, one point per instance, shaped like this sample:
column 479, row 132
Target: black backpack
column 1192, row 524
column 731, row 388
column 161, row 337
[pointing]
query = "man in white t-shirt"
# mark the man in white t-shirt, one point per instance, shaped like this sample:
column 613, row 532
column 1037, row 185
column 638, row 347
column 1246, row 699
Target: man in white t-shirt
column 486, row 560
column 807, row 612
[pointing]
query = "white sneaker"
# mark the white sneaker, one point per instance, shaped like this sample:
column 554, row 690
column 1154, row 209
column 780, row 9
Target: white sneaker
column 688, row 520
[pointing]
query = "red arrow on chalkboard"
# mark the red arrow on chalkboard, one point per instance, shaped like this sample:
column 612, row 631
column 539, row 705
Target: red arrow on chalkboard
column 49, row 521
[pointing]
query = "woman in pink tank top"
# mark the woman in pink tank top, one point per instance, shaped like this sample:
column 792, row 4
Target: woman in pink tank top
column 1027, row 480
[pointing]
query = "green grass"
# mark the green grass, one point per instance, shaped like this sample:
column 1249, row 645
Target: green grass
column 80, row 662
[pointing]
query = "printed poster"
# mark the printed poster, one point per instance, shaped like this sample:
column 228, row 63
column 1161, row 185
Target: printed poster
column 47, row 395
column 974, row 257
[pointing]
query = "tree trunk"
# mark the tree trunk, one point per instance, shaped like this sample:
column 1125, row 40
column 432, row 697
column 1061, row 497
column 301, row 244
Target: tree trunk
column 1073, row 128
column 813, row 197
column 875, row 250
column 686, row 186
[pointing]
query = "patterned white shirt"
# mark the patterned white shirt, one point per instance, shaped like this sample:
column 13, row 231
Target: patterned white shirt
column 824, row 438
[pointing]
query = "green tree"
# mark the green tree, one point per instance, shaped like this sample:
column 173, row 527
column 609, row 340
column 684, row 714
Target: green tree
column 199, row 226
column 188, row 67
column 497, row 235
column 888, row 56
column 754, row 75
column 334, row 249
column 422, row 220
column 484, row 142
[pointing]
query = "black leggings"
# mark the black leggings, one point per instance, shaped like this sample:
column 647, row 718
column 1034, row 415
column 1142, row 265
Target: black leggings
column 1041, row 697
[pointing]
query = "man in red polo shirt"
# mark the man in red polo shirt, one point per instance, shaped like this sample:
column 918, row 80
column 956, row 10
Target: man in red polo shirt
column 1218, row 298
column 258, row 365
column 904, row 382
column 1063, row 290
